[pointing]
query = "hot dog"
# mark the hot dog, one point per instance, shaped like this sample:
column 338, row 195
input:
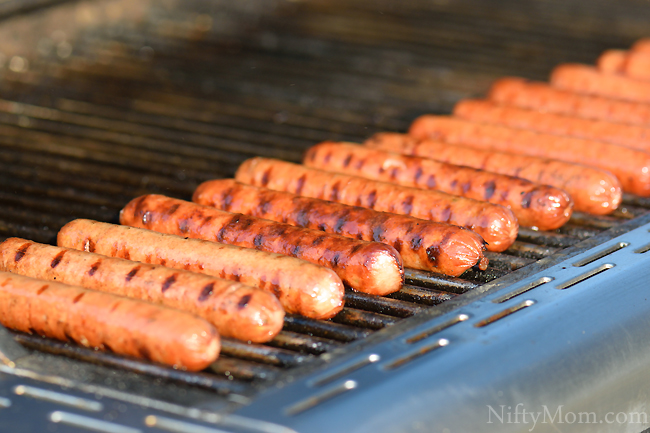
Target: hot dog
column 236, row 310
column 534, row 205
column 107, row 322
column 593, row 191
column 634, row 136
column 634, row 64
column 612, row 61
column 589, row 80
column 641, row 46
column 422, row 244
column 369, row 267
column 496, row 224
column 630, row 166
column 302, row 287
column 541, row 96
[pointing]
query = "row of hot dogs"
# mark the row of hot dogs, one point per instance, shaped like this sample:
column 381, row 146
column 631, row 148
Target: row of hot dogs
column 284, row 237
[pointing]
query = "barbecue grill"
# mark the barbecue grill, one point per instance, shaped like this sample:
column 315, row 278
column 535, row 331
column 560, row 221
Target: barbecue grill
column 106, row 100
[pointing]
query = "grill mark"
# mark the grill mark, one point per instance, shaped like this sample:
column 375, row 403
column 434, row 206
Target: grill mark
column 183, row 226
column 394, row 172
column 57, row 259
column 490, row 187
column 445, row 215
column 372, row 199
column 257, row 241
column 42, row 289
column 94, row 267
column 126, row 255
column 340, row 222
column 526, row 200
column 227, row 199
column 407, row 205
column 266, row 176
column 222, row 232
column 418, row 175
column 334, row 195
column 173, row 209
column 398, row 245
column 416, row 242
column 319, row 240
column 360, row 163
column 107, row 347
column 139, row 208
column 206, row 292
column 327, row 157
column 163, row 262
column 78, row 298
column 453, row 184
column 300, row 184
column 302, row 217
column 466, row 186
column 355, row 249
column 377, row 233
column 243, row 301
column 295, row 251
column 132, row 273
column 244, row 222
column 168, row 282
column 336, row 259
column 21, row 251
column 431, row 181
column 347, row 160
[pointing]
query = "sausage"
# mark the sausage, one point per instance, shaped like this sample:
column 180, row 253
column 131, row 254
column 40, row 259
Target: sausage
column 589, row 80
column 436, row 247
column 236, row 310
column 107, row 322
column 539, row 206
column 301, row 287
column 369, row 267
column 634, row 64
column 496, row 224
column 612, row 61
column 641, row 46
column 543, row 97
column 630, row 166
column 634, row 136
column 593, row 191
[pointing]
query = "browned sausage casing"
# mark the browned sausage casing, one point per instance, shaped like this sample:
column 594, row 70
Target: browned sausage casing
column 422, row 244
column 592, row 190
column 302, row 287
column 496, row 224
column 107, row 322
column 630, row 166
column 369, row 267
column 236, row 310
column 534, row 205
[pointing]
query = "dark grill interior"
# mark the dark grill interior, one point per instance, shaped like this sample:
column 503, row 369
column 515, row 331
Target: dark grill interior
column 159, row 103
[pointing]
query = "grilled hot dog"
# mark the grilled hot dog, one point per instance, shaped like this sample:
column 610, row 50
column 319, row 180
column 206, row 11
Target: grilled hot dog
column 302, row 287
column 630, row 166
column 107, row 322
column 370, row 267
column 496, row 224
column 542, row 97
column 422, row 244
column 534, row 205
column 592, row 190
column 236, row 310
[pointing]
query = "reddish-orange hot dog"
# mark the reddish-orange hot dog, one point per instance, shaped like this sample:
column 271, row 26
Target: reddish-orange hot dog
column 496, row 224
column 302, row 287
column 422, row 244
column 370, row 267
column 236, row 310
column 107, row 322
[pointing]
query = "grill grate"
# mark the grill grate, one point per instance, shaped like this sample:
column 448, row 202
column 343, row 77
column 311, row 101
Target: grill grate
column 162, row 105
